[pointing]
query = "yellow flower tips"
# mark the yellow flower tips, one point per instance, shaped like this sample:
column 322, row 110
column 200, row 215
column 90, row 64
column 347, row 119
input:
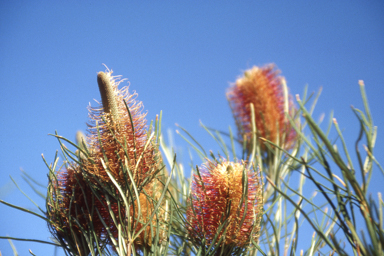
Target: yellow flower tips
column 262, row 87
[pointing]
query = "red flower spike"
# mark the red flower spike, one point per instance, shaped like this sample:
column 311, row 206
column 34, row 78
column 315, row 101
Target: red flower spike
column 221, row 187
column 70, row 208
column 264, row 89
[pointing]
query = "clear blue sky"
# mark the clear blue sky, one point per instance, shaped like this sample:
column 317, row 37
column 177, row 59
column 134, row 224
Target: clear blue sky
column 180, row 56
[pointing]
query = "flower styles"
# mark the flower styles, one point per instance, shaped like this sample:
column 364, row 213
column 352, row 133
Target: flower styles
column 218, row 196
column 262, row 87
column 117, row 131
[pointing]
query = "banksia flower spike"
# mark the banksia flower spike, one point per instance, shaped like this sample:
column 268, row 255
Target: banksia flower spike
column 226, row 203
column 262, row 87
column 118, row 131
column 93, row 198
column 118, row 137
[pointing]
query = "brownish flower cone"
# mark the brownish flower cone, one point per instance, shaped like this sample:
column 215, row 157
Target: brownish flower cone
column 262, row 87
column 221, row 187
column 120, row 132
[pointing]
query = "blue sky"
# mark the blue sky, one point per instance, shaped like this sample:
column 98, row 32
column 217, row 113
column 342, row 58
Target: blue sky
column 180, row 56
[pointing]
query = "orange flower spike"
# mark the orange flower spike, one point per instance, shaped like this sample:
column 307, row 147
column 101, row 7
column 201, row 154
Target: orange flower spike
column 264, row 89
column 120, row 132
column 210, row 197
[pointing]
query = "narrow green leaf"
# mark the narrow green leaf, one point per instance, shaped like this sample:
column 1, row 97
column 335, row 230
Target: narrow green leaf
column 28, row 240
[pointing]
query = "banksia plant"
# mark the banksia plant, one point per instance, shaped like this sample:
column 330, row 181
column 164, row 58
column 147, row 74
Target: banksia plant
column 266, row 90
column 113, row 196
column 225, row 207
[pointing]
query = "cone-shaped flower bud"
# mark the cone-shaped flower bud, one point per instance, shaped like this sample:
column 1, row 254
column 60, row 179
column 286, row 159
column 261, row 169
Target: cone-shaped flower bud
column 221, row 196
column 262, row 87
column 116, row 133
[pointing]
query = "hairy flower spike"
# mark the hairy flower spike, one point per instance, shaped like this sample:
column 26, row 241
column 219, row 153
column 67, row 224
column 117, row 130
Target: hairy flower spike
column 216, row 198
column 123, row 134
column 265, row 90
